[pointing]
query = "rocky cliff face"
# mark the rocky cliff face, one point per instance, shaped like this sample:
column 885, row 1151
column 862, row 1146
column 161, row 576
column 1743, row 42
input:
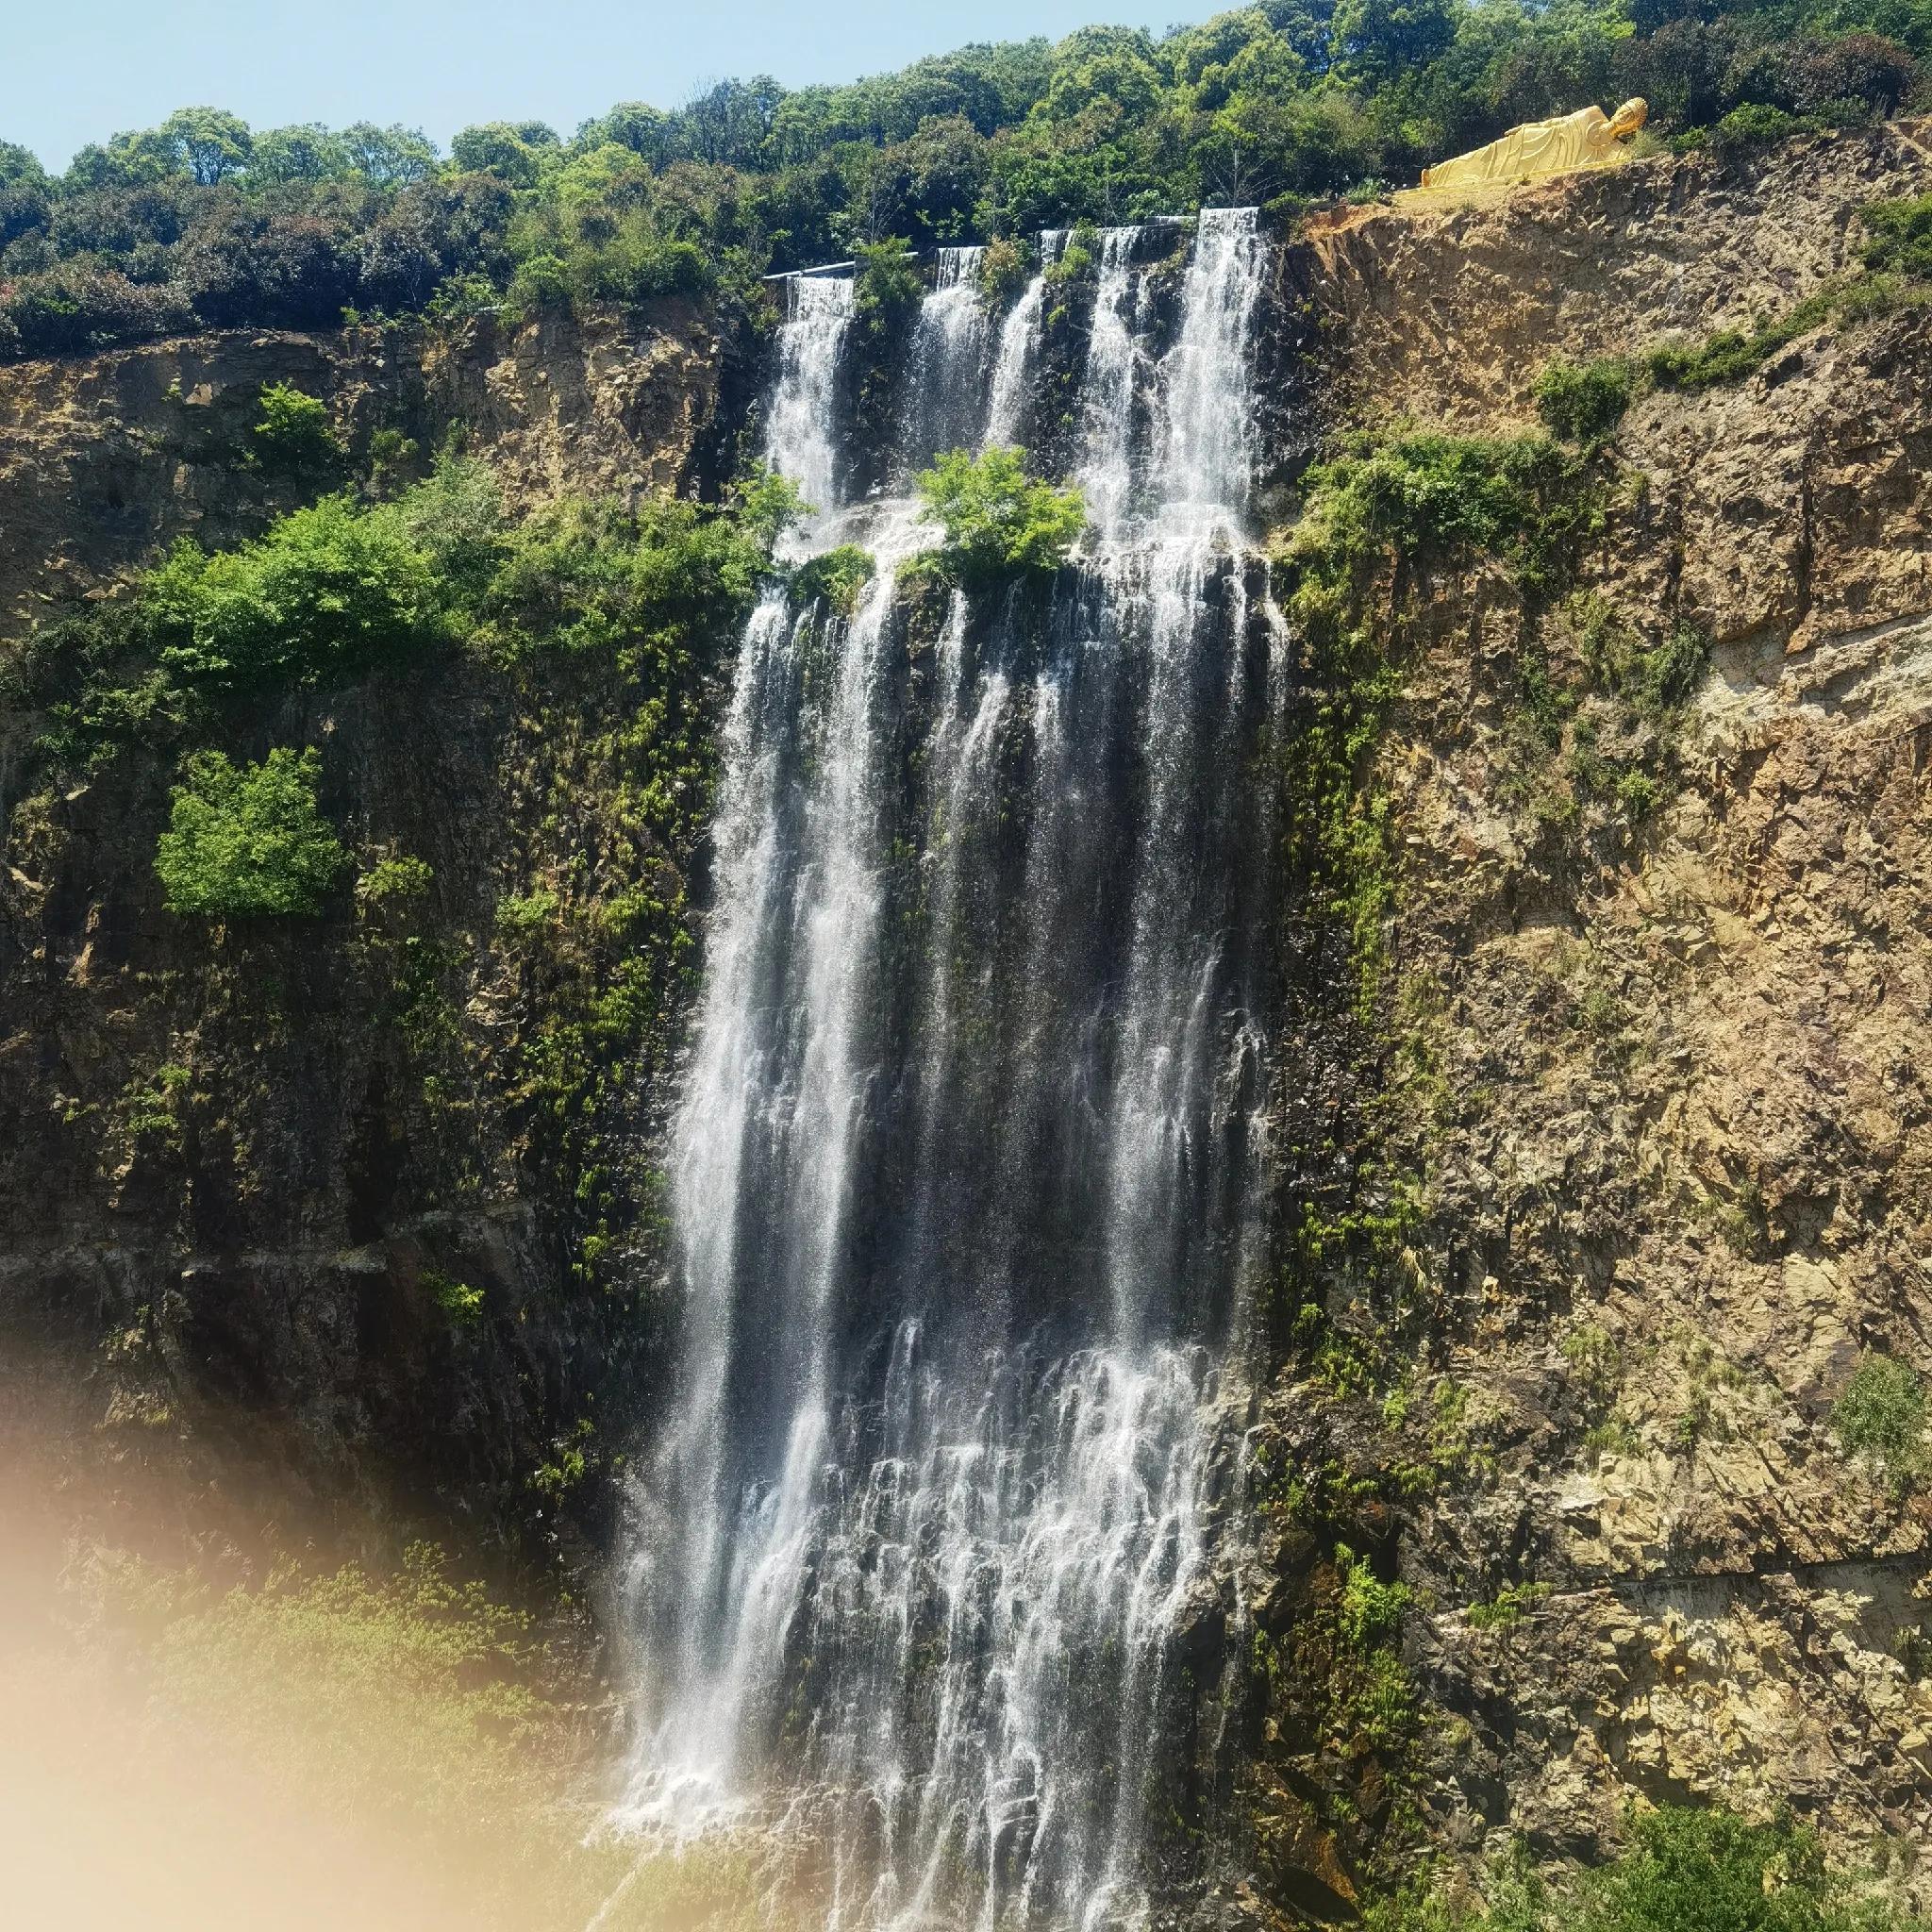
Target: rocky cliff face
column 297, row 1210
column 1658, row 1079
column 103, row 459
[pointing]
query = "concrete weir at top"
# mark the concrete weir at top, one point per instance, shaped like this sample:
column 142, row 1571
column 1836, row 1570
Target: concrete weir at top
column 965, row 1176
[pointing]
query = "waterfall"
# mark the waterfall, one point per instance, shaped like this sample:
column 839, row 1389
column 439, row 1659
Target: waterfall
column 1013, row 365
column 948, row 359
column 962, row 1176
column 1206, row 452
column 1113, row 355
column 798, row 431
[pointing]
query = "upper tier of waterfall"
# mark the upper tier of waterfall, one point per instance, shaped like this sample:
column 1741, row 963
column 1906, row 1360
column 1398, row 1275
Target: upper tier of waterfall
column 963, row 1178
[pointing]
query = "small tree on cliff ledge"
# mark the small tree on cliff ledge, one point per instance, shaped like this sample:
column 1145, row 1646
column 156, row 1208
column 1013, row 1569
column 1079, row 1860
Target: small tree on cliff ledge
column 248, row 841
column 998, row 520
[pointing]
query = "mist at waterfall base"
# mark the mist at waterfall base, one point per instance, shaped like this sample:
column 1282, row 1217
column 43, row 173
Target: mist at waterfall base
column 964, row 1180
column 199, row 1739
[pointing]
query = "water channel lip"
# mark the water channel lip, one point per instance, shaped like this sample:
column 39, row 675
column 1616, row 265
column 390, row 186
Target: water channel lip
column 821, row 268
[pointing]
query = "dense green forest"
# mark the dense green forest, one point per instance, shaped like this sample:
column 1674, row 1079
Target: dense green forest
column 203, row 222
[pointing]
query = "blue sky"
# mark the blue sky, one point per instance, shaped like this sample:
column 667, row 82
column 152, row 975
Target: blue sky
column 75, row 71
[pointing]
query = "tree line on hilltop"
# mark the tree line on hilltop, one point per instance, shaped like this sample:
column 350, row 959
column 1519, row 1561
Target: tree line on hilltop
column 204, row 223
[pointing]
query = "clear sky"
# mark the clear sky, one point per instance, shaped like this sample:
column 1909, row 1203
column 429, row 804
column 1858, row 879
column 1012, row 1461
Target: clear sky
column 74, row 71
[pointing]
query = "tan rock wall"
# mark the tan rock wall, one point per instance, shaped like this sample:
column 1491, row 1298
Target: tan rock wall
column 1687, row 1069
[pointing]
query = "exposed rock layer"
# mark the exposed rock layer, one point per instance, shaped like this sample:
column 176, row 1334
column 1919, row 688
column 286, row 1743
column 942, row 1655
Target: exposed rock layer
column 240, row 1278
column 1680, row 1121
column 104, row 459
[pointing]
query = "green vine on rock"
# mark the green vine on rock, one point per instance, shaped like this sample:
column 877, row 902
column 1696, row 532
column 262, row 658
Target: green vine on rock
column 1373, row 513
column 1380, row 517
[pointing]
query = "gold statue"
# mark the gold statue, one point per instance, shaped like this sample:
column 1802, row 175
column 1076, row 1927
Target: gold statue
column 1587, row 138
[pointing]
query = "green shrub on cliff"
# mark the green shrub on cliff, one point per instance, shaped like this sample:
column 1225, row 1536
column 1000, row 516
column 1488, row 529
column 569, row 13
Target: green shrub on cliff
column 1520, row 499
column 1004, row 269
column 329, row 593
column 151, row 1109
column 887, row 282
column 1898, row 236
column 1733, row 354
column 619, row 260
column 341, row 587
column 1515, row 1898
column 1506, row 1606
column 998, row 520
column 766, row 504
column 1075, row 260
column 1654, row 679
column 1881, row 1417
column 837, row 575
column 1584, row 402
column 1757, row 124
column 294, row 432
column 1371, row 1610
column 248, row 841
column 395, row 880
column 456, row 518
column 579, row 575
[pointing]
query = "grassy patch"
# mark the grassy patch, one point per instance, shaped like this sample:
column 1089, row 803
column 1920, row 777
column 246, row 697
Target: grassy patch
column 1506, row 1606
column 1881, row 1419
column 1683, row 1868
column 1593, row 729
column 1372, row 1698
column 1898, row 237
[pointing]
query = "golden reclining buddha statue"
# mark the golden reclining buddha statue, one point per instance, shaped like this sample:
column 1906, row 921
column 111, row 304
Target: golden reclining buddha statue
column 1587, row 138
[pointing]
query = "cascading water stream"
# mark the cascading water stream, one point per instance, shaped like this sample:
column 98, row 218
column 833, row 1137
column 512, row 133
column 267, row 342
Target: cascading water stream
column 1106, row 474
column 949, row 348
column 961, row 1177
column 798, row 442
column 1013, row 364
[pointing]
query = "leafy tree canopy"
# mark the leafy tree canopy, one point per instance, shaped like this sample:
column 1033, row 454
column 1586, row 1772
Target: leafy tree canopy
column 210, row 145
column 202, row 220
column 997, row 519
column 330, row 591
column 248, row 841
